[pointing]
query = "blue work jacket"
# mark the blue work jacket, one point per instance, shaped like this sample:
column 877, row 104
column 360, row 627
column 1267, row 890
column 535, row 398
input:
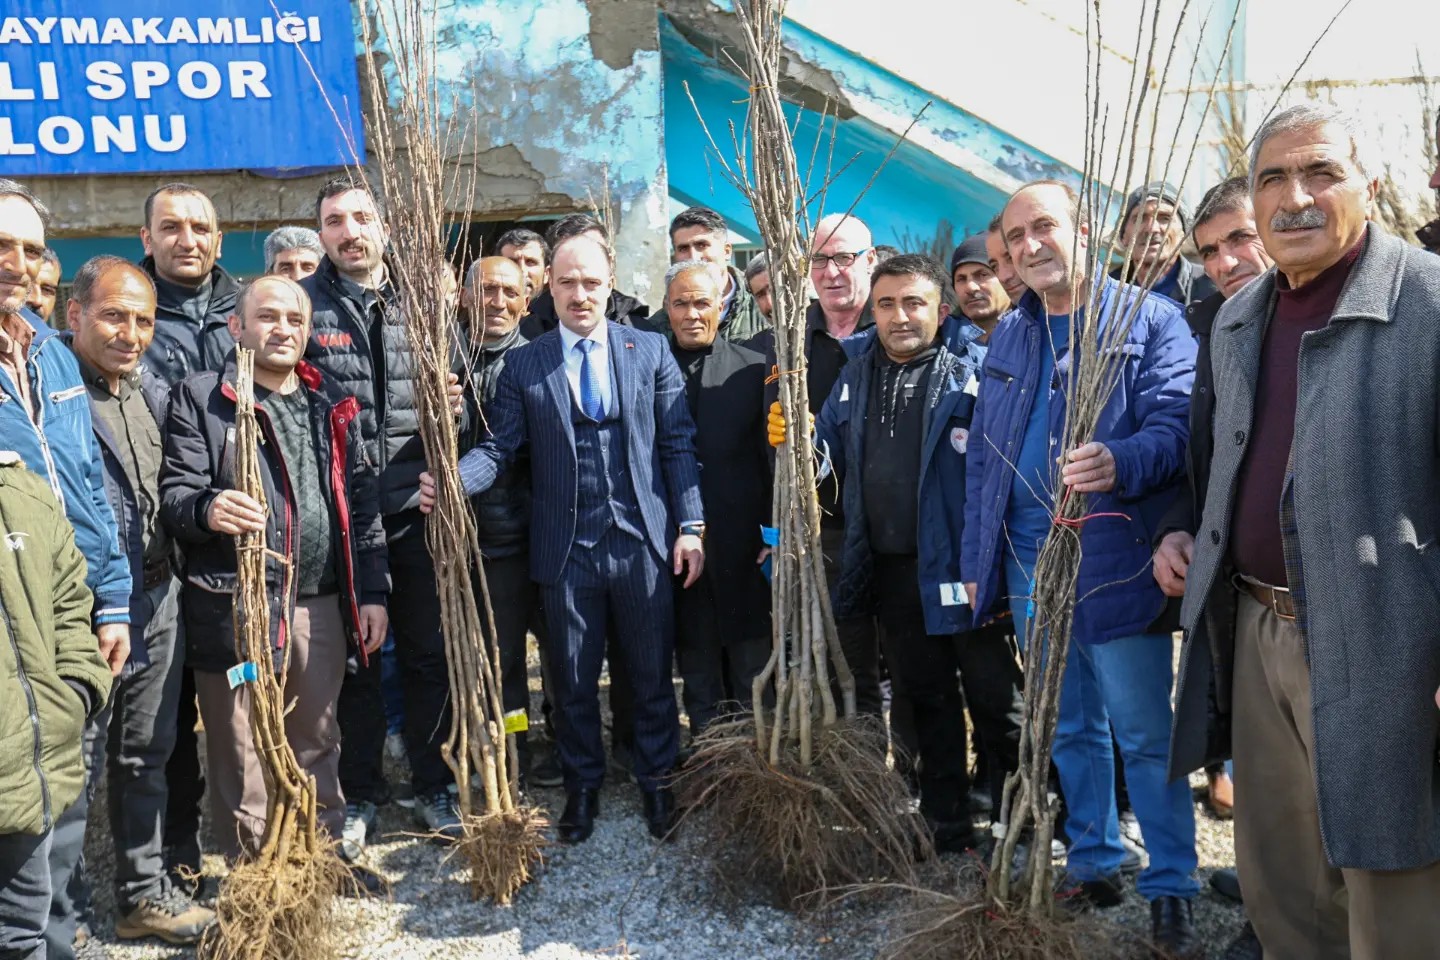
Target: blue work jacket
column 1145, row 425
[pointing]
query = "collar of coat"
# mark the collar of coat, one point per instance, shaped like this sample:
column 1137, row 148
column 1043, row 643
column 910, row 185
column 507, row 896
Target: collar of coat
column 1371, row 293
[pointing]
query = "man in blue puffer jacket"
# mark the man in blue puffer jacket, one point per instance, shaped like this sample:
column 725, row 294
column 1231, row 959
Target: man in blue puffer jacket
column 45, row 417
column 1118, row 670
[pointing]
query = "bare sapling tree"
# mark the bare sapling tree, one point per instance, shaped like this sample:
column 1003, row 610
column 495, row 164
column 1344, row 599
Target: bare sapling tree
column 418, row 150
column 1014, row 914
column 799, row 794
column 277, row 902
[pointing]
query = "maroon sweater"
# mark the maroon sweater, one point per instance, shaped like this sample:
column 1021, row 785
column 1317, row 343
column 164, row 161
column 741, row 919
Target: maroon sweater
column 1255, row 544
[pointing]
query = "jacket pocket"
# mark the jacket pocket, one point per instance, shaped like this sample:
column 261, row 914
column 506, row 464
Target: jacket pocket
column 209, row 610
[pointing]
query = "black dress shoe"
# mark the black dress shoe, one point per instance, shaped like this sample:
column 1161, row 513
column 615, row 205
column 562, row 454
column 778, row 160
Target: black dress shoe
column 1172, row 930
column 1227, row 884
column 578, row 820
column 360, row 881
column 954, row 836
column 1244, row 947
column 659, row 812
column 1100, row 894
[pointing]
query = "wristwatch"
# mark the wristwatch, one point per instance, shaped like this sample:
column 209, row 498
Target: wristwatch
column 692, row 530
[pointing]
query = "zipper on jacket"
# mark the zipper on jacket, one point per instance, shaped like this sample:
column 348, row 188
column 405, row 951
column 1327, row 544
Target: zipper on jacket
column 292, row 540
column 34, row 717
column 38, row 425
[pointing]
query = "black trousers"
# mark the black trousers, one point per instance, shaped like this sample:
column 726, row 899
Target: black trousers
column 513, row 599
column 420, row 652
column 718, row 659
column 360, row 713
column 184, row 784
column 859, row 636
column 619, row 581
column 929, row 672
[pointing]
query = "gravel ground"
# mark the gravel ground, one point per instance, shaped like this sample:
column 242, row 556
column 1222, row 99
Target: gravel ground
column 618, row 888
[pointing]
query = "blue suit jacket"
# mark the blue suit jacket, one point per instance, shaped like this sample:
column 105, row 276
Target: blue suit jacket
column 532, row 405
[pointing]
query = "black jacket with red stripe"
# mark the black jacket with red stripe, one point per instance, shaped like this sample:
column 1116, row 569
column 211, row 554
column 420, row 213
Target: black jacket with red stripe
column 200, row 462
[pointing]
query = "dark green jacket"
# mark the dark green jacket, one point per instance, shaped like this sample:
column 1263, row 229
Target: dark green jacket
column 48, row 654
column 741, row 325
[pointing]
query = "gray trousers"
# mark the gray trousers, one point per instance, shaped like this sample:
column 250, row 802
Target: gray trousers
column 1302, row 907
column 24, row 895
column 130, row 740
column 239, row 796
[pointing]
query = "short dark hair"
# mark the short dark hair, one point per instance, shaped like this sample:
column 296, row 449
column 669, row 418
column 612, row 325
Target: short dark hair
column 912, row 265
column 573, row 225
column 174, row 188
column 50, row 256
column 698, row 217
column 603, row 244
column 338, row 185
column 82, row 288
column 13, row 188
column 520, row 237
column 997, row 223
column 1227, row 196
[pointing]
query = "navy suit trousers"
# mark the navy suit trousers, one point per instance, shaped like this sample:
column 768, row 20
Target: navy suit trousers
column 621, row 581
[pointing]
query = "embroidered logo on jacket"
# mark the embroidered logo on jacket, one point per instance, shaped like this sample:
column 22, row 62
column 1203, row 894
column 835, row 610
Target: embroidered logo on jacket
column 16, row 541
column 328, row 340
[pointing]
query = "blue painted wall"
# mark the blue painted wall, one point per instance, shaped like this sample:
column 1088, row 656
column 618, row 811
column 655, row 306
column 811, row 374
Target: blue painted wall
column 913, row 192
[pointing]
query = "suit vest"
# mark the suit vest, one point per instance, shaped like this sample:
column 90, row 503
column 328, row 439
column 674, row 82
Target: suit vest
column 604, row 491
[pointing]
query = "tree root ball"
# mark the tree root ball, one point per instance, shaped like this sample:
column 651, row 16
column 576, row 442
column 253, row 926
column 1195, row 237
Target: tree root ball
column 278, row 909
column 942, row 926
column 798, row 836
column 503, row 851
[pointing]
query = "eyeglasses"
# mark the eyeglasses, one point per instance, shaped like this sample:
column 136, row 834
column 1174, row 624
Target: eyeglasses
column 819, row 261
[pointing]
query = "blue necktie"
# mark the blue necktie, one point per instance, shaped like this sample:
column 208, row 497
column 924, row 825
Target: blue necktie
column 590, row 403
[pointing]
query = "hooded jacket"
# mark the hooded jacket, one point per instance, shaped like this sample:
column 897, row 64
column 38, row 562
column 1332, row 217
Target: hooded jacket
column 839, row 436
column 200, row 462
column 46, row 654
column 190, row 331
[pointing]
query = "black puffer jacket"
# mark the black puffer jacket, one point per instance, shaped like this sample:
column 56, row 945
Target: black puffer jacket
column 200, row 462
column 502, row 513
column 190, row 331
column 622, row 308
column 367, row 351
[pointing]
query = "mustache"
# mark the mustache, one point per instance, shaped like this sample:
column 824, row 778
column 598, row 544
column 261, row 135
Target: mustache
column 1304, row 220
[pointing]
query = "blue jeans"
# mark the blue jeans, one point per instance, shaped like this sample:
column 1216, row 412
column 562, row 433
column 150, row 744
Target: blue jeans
column 24, row 895
column 1123, row 685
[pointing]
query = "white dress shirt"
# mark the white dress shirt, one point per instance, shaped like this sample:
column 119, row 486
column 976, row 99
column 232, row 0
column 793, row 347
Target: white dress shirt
column 599, row 357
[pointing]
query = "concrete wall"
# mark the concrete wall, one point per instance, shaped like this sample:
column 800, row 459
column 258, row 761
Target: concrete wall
column 565, row 97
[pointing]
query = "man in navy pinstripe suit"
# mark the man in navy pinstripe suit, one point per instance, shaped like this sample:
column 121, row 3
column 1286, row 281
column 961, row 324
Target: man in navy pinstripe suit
column 616, row 509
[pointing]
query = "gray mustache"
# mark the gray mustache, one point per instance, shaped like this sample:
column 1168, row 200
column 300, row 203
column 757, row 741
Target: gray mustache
column 1304, row 220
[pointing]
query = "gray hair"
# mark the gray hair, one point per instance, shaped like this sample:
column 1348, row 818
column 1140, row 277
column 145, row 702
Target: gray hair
column 684, row 266
column 291, row 238
column 1307, row 116
column 10, row 188
column 757, row 265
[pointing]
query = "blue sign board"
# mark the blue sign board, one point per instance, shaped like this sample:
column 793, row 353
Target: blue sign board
column 144, row 86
